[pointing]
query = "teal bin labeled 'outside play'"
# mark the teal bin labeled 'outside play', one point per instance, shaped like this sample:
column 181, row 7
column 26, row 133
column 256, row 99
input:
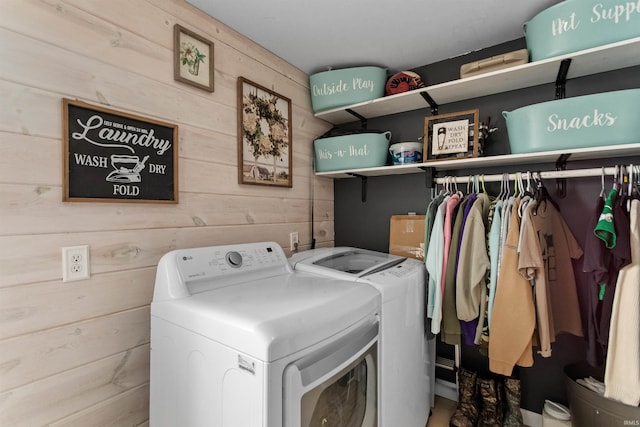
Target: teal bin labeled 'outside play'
column 574, row 25
column 609, row 118
column 338, row 88
column 355, row 151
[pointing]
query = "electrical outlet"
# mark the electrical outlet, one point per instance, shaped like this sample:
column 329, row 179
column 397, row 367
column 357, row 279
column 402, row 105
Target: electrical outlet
column 75, row 263
column 293, row 241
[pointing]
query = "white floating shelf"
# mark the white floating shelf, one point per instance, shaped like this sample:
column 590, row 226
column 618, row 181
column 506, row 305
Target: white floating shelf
column 586, row 62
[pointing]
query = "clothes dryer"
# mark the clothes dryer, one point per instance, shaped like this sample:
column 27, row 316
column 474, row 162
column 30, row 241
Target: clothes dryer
column 407, row 360
column 238, row 339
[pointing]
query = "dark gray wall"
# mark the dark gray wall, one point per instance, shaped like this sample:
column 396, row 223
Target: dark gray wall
column 366, row 224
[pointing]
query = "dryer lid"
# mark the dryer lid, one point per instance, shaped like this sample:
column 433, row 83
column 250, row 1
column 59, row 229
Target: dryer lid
column 345, row 261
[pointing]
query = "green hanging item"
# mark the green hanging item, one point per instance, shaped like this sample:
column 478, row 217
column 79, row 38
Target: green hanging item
column 605, row 229
column 601, row 291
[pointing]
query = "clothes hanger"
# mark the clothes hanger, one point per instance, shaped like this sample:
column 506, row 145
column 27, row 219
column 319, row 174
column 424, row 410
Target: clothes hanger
column 603, row 192
column 501, row 193
column 516, row 184
column 635, row 191
column 542, row 195
column 507, row 186
column 529, row 190
column 455, row 186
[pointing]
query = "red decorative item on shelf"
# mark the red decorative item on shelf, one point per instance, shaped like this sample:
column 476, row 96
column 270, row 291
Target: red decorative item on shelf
column 403, row 82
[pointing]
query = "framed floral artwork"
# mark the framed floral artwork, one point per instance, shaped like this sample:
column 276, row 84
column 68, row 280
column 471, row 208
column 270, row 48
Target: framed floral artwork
column 192, row 58
column 264, row 136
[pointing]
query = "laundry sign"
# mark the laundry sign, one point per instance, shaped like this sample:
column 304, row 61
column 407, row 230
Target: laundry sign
column 117, row 157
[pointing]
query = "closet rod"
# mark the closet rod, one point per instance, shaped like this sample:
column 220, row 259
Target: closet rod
column 576, row 173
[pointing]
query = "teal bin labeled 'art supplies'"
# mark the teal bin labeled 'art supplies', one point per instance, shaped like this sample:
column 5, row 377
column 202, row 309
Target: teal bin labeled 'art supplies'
column 609, row 118
column 338, row 88
column 355, row 151
column 574, row 25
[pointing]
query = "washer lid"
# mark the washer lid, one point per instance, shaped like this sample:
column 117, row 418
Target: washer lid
column 273, row 317
column 344, row 262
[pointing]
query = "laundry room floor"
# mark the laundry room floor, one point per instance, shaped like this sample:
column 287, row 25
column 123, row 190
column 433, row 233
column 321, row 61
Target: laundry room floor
column 442, row 410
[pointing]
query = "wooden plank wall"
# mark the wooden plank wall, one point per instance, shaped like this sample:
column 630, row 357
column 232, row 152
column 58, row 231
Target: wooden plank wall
column 77, row 354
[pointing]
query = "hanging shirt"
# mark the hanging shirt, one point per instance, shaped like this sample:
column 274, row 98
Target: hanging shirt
column 468, row 328
column 603, row 265
column 450, row 332
column 473, row 262
column 494, row 250
column 513, row 316
column 433, row 263
column 452, row 203
column 432, row 207
column 622, row 374
column 504, row 228
column 545, row 258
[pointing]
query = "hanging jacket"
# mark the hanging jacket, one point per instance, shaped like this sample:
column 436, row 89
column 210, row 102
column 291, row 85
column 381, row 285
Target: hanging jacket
column 513, row 316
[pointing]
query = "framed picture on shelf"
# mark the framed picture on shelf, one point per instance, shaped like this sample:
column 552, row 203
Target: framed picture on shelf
column 451, row 136
column 192, row 58
column 264, row 136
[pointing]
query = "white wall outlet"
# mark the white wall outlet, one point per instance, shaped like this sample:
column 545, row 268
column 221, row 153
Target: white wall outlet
column 75, row 263
column 293, row 241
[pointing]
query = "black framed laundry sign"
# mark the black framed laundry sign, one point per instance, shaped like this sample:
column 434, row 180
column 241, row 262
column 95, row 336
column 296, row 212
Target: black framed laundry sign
column 111, row 156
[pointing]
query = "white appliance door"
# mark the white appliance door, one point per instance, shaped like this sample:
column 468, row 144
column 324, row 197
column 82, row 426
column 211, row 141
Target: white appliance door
column 358, row 262
column 335, row 386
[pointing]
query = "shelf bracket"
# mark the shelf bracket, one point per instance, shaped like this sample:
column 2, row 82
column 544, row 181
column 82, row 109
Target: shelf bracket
column 363, row 185
column 431, row 102
column 561, row 183
column 363, row 119
column 561, row 78
column 429, row 176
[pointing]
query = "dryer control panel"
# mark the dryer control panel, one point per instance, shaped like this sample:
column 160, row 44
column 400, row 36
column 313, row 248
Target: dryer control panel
column 184, row 272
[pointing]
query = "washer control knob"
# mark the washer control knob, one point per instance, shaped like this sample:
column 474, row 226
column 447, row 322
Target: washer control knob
column 234, row 259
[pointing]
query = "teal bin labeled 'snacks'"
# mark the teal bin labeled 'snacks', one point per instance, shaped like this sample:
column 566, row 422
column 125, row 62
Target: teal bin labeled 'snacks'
column 338, row 88
column 355, row 151
column 609, row 118
column 574, row 25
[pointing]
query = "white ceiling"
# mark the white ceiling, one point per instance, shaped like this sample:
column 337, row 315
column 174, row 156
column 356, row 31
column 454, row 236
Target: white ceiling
column 316, row 35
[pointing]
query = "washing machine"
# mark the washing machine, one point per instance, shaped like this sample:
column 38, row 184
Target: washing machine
column 407, row 361
column 239, row 339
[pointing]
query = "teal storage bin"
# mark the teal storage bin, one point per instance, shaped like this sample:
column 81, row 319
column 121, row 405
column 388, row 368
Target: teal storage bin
column 575, row 25
column 356, row 151
column 609, row 118
column 338, row 88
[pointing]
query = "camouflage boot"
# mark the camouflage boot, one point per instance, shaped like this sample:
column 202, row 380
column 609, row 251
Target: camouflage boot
column 491, row 414
column 466, row 414
column 512, row 391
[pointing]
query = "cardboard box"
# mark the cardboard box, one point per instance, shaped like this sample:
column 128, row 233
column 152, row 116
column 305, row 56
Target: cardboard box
column 406, row 236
